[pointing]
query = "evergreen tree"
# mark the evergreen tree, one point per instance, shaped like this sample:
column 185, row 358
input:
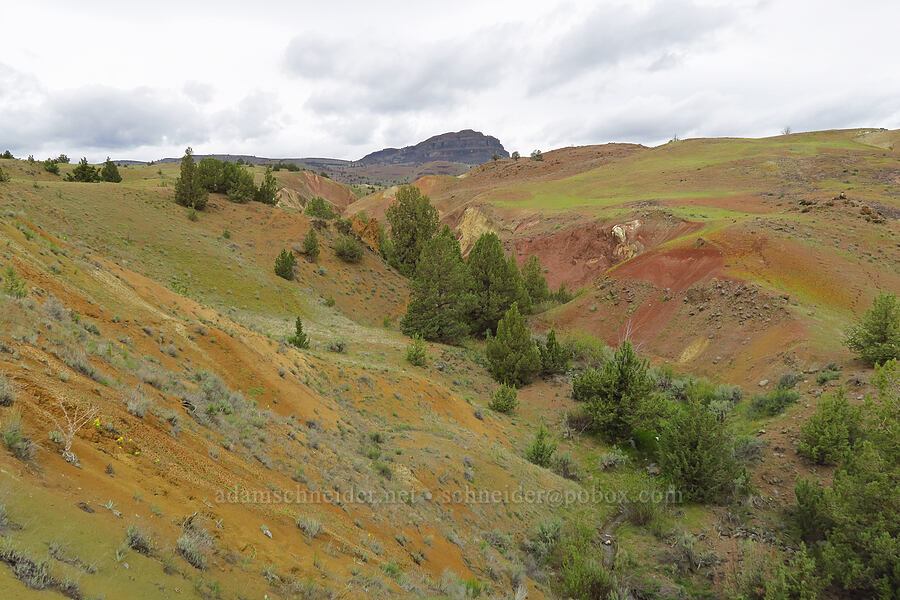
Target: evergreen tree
column 319, row 208
column 110, row 172
column 876, row 338
column 84, row 173
column 542, row 449
column 496, row 282
column 554, row 357
column 299, row 339
column 617, row 394
column 268, row 188
column 440, row 292
column 505, row 399
column 284, row 264
column 533, row 278
column 311, row 244
column 211, row 173
column 413, row 221
column 696, row 452
column 3, row 176
column 242, row 188
column 512, row 355
column 189, row 190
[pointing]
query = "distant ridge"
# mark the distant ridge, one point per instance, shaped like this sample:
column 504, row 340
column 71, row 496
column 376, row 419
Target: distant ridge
column 466, row 146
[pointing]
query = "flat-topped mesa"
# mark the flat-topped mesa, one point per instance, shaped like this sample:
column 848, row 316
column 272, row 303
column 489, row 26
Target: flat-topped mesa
column 466, row 146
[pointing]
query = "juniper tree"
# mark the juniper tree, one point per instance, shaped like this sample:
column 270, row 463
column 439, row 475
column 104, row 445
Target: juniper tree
column 267, row 190
column 512, row 355
column 110, row 172
column 413, row 221
column 617, row 393
column 299, row 338
column 554, row 357
column 84, row 173
column 876, row 337
column 534, row 281
column 496, row 282
column 311, row 244
column 189, row 190
column 440, row 292
column 284, row 264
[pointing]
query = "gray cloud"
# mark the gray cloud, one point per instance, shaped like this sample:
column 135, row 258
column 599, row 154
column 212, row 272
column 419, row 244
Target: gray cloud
column 198, row 92
column 612, row 34
column 398, row 78
column 100, row 117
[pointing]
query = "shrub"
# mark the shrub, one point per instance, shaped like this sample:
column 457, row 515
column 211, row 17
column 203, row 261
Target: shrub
column 513, row 357
column 12, row 285
column 831, row 431
column 337, row 345
column 564, row 466
column 876, row 337
column 772, row 403
column 136, row 403
column 554, row 357
column 611, row 460
column 825, row 376
column 788, row 380
column 348, row 249
column 504, row 399
column 318, row 208
column 416, row 352
column 7, row 394
column 619, row 395
column 748, row 450
column 4, row 176
column 284, row 264
column 15, row 440
column 193, row 544
column 309, row 526
column 299, row 339
column 696, row 452
column 138, row 541
column 542, row 449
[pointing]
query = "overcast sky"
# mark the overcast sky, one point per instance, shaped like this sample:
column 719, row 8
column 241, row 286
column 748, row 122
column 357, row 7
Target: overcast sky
column 342, row 79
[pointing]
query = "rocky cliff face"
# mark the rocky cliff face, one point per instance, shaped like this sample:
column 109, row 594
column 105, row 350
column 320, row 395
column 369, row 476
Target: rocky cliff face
column 466, row 146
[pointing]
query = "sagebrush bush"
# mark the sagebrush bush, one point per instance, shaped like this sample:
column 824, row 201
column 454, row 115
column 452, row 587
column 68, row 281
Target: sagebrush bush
column 15, row 440
column 136, row 402
column 193, row 545
column 827, row 375
column 309, row 526
column 139, row 541
column 504, row 399
column 788, row 380
column 772, row 403
column 7, row 395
